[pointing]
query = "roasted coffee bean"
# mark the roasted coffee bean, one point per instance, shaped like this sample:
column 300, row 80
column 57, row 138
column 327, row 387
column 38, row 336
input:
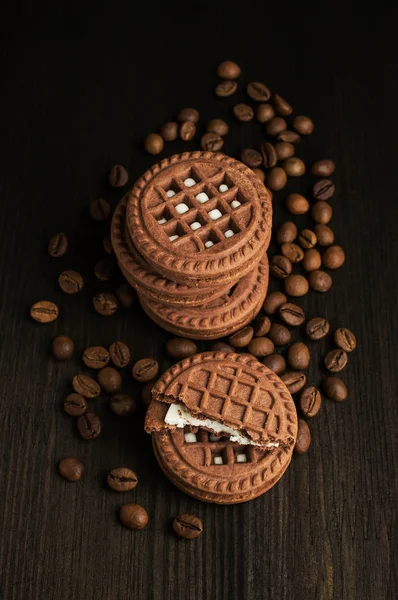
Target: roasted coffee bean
column 251, row 158
column 312, row 260
column 260, row 174
column 282, row 107
column 153, row 144
column 179, row 348
column 286, row 233
column 323, row 168
column 122, row 479
column 276, row 179
column 320, row 281
column 146, row 393
column 324, row 234
column 228, row 70
column 280, row 266
column 323, row 189
column 284, row 150
column 217, row 126
column 292, row 314
column 145, row 369
column 226, row 88
column 345, row 339
column 260, row 346
column 264, row 112
column 334, row 389
column 258, row 92
column 294, row 381
column 86, row 386
column 187, row 526
column 297, row 204
column 298, row 356
column 241, row 338
column 122, row 405
column 222, row 347
column 303, row 440
column 293, row 252
column 336, row 360
column 89, row 426
column 243, row 112
column 188, row 114
column 296, row 285
column 294, row 166
column 275, row 126
column 109, row 379
column 310, row 401
column 105, row 303
column 275, row 362
column 126, row 295
column 58, row 245
column 169, row 131
column 211, row 142
column 273, row 302
column 63, row 347
column 71, row 282
column 187, row 131
column 100, row 209
column 269, row 155
column 261, row 326
column 303, row 125
column 288, row 136
column 279, row 334
column 71, row 469
column 105, row 269
column 44, row 311
column 333, row 257
column 321, row 212
column 120, row 354
column 307, row 239
column 118, row 176
column 133, row 516
column 75, row 405
column 107, row 244
column 317, row 328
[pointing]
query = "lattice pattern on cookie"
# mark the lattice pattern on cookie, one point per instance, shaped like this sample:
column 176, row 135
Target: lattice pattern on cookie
column 207, row 449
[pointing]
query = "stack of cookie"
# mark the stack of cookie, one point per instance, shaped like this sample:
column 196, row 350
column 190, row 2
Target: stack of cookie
column 191, row 238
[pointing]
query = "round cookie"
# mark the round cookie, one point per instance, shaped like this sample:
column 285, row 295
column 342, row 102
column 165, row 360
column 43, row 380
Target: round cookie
column 200, row 217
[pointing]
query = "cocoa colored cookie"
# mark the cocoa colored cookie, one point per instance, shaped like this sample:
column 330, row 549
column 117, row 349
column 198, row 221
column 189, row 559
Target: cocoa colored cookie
column 200, row 218
column 234, row 391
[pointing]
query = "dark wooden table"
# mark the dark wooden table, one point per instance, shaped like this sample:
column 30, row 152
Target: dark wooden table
column 80, row 94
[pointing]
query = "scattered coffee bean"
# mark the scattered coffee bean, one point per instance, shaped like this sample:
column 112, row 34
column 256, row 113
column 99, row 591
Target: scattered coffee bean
column 286, row 233
column 122, row 479
column 293, row 252
column 100, row 209
column 275, row 126
column 260, row 174
column 187, row 526
column 118, row 176
column 294, row 381
column 269, row 155
column 179, row 348
column 146, row 393
column 217, row 126
column 153, row 144
column 282, row 107
column 228, row 70
column 317, row 328
column 241, row 338
column 169, row 131
column 105, row 303
column 211, row 142
column 109, row 379
column 251, row 158
column 260, row 346
column 323, row 189
column 133, row 516
column 187, row 131
column 120, row 354
column 276, row 179
column 284, row 150
column 333, row 257
column 226, row 88
column 310, row 401
column 89, row 426
column 320, row 281
column 279, row 334
column 44, row 311
column 71, row 282
column 288, row 136
column 243, row 112
column 297, row 204
column 336, row 360
column 298, row 356
column 145, row 369
column 312, row 260
column 296, row 285
column 303, row 437
column 71, row 469
column 222, row 347
column 63, row 347
column 294, row 166
column 188, row 114
column 258, row 92
column 126, row 295
column 292, row 314
column 323, row 168
column 307, row 239
column 345, row 339
column 303, row 125
column 280, row 266
column 122, row 405
column 324, row 234
column 107, row 244
column 264, row 112
column 273, row 302
column 334, row 389
column 58, row 245
column 75, row 405
column 86, row 386
column 275, row 362
column 105, row 269
column 261, row 326
column 321, row 212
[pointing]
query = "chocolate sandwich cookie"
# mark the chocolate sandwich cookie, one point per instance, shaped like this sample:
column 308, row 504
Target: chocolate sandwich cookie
column 223, row 427
column 217, row 318
column 144, row 279
column 200, row 218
